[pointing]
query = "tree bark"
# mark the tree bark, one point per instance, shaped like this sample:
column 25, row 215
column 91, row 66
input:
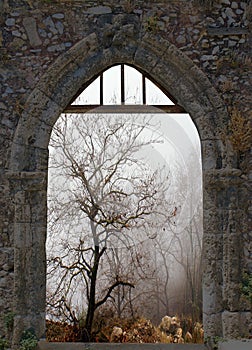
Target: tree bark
column 92, row 292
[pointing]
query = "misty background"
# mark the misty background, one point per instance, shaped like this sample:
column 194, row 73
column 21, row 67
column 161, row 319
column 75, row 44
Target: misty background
column 163, row 261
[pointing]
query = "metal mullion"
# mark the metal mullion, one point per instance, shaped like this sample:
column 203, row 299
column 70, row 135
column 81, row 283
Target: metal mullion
column 124, row 109
column 144, row 89
column 122, row 85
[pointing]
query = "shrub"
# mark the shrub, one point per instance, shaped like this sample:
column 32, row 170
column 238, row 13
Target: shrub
column 9, row 321
column 246, row 286
column 29, row 340
column 4, row 344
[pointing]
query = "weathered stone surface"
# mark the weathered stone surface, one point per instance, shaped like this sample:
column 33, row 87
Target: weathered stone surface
column 230, row 320
column 99, row 10
column 10, row 22
column 116, row 346
column 200, row 55
column 235, row 344
column 30, row 26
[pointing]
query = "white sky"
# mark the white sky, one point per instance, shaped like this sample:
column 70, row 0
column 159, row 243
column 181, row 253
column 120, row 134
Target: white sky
column 180, row 136
column 133, row 95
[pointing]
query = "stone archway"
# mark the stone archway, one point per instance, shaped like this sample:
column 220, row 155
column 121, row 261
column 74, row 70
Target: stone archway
column 29, row 155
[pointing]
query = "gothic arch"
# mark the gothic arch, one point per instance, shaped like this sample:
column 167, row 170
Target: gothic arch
column 70, row 72
column 74, row 70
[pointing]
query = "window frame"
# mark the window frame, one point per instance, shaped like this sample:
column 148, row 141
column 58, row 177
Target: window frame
column 123, row 108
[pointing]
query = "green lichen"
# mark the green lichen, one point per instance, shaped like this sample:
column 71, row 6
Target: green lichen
column 29, row 340
column 246, row 286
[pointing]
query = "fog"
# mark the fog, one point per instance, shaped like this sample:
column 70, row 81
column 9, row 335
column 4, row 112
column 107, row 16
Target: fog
column 159, row 261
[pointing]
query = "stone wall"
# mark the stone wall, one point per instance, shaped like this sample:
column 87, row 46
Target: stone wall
column 201, row 51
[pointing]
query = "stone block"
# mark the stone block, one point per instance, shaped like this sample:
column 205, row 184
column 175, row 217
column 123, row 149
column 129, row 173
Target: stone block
column 206, row 127
column 7, row 259
column 99, row 10
column 154, row 45
column 30, row 26
column 212, row 324
column 209, row 155
column 231, row 324
column 212, row 280
column 213, row 245
column 244, row 344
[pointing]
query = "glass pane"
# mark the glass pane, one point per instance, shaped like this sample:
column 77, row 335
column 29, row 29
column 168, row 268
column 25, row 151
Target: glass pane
column 112, row 86
column 154, row 96
column 133, row 86
column 112, row 89
column 91, row 95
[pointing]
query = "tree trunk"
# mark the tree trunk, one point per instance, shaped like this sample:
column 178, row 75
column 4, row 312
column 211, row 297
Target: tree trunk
column 92, row 291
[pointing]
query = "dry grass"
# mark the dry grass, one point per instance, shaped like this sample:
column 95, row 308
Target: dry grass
column 240, row 133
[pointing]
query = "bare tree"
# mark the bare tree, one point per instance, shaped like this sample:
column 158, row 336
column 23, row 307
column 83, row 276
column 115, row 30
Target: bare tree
column 177, row 250
column 102, row 195
column 186, row 240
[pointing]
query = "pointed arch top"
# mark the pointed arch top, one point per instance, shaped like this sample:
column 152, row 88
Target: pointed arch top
column 73, row 71
column 100, row 90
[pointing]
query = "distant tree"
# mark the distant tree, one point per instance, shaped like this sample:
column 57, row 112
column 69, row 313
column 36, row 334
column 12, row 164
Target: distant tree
column 134, row 264
column 176, row 285
column 184, row 245
column 102, row 196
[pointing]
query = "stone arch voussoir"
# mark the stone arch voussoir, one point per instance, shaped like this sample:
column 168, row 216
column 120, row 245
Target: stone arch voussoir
column 72, row 70
column 67, row 75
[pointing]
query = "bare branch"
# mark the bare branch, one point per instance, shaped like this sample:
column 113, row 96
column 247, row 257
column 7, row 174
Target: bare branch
column 111, row 288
